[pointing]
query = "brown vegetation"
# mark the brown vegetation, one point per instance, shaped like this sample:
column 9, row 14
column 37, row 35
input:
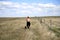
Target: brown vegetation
column 13, row 29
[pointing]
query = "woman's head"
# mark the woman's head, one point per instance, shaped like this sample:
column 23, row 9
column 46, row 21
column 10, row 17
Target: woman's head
column 27, row 16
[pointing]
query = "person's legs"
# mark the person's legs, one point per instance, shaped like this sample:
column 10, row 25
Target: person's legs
column 28, row 25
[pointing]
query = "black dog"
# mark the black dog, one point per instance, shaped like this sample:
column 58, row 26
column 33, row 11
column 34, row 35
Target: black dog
column 25, row 27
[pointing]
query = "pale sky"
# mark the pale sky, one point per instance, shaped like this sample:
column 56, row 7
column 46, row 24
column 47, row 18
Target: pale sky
column 23, row 8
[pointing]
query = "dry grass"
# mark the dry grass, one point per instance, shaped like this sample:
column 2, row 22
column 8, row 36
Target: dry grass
column 13, row 29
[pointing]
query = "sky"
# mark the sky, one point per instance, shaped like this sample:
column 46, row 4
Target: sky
column 23, row 8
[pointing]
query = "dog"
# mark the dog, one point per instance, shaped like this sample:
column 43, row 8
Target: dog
column 25, row 27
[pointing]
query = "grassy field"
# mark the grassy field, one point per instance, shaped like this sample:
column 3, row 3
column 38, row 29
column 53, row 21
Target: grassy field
column 42, row 28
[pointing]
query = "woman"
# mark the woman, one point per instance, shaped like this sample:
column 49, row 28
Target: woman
column 28, row 22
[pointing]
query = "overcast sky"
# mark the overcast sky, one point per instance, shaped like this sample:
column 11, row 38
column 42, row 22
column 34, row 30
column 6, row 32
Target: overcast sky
column 22, row 8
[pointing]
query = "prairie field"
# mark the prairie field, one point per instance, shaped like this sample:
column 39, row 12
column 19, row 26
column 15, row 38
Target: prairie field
column 42, row 28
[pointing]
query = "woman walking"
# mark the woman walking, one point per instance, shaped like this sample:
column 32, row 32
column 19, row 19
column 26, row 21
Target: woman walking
column 28, row 22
